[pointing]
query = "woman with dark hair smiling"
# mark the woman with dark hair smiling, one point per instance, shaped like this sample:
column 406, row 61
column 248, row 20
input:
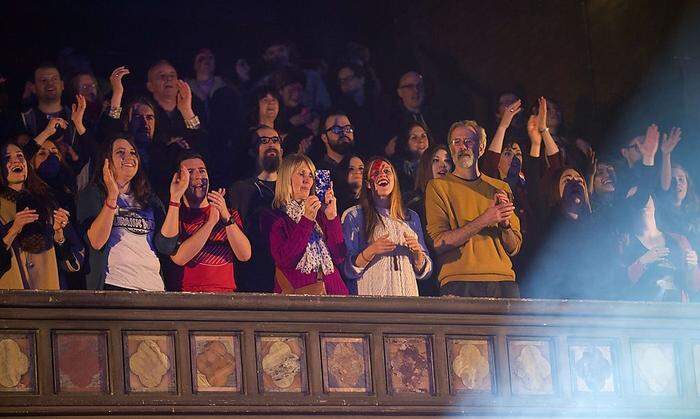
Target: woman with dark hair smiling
column 413, row 141
column 125, row 224
column 35, row 231
column 386, row 250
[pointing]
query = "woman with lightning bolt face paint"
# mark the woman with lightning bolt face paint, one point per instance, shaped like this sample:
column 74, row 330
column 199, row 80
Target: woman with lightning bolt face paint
column 386, row 250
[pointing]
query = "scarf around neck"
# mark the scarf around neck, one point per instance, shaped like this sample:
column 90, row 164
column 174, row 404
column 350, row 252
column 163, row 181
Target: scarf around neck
column 316, row 257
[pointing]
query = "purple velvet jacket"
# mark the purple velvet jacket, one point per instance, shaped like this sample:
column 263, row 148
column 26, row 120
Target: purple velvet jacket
column 288, row 242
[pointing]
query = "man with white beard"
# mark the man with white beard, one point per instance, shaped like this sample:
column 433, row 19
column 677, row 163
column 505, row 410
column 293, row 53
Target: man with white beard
column 471, row 222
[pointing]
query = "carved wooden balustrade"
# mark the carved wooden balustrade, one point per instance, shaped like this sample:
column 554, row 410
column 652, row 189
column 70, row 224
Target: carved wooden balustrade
column 93, row 354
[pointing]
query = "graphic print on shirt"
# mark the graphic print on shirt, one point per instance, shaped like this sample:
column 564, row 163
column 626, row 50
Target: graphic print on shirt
column 133, row 220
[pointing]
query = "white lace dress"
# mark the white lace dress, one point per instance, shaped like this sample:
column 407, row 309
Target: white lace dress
column 391, row 274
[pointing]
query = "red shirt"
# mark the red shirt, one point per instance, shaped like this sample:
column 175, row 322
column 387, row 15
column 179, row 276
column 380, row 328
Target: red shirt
column 210, row 270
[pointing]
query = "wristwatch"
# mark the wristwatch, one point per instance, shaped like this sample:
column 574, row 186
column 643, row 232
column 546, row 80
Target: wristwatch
column 231, row 221
column 543, row 130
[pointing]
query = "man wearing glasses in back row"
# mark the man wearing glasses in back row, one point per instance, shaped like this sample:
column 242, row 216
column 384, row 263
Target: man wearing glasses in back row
column 338, row 137
column 250, row 197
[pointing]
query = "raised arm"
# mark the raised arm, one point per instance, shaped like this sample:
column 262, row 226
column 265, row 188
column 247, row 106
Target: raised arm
column 550, row 147
column 115, row 79
column 508, row 114
column 668, row 144
column 101, row 227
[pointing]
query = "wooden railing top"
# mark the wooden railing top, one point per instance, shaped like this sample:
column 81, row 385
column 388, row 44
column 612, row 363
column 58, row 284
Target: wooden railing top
column 366, row 304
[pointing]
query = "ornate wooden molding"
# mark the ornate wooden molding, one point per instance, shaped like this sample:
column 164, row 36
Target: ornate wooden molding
column 93, row 353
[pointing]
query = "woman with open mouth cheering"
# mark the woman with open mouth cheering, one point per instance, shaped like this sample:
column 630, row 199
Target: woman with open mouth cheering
column 35, row 231
column 386, row 250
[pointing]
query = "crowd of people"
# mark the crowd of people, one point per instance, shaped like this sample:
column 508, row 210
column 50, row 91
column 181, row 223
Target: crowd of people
column 292, row 180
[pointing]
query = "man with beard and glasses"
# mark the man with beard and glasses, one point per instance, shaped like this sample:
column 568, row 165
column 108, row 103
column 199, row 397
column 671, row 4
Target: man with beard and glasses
column 338, row 137
column 210, row 234
column 471, row 222
column 251, row 197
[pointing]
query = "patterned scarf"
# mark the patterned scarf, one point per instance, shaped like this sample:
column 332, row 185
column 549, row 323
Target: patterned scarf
column 316, row 257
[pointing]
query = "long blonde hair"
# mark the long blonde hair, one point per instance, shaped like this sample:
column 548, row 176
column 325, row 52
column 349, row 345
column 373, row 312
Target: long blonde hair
column 283, row 186
column 370, row 214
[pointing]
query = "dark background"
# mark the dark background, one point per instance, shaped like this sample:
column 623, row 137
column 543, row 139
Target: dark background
column 614, row 65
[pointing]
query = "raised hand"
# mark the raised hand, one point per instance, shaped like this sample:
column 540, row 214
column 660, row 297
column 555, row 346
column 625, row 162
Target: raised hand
column 110, row 182
column 60, row 220
column 184, row 99
column 115, row 79
column 216, row 198
column 179, row 184
column 510, row 112
column 311, row 207
column 78, row 112
column 22, row 218
column 53, row 125
column 532, row 131
column 650, row 144
column 542, row 114
column 331, row 207
column 671, row 140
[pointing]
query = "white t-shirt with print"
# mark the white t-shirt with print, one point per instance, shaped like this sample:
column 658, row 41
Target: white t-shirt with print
column 132, row 261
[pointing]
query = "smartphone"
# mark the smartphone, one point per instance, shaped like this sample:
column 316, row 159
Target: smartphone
column 322, row 183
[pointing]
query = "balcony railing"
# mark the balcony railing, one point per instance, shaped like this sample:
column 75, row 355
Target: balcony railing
column 87, row 353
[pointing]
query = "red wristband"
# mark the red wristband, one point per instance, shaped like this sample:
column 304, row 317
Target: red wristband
column 174, row 204
column 110, row 206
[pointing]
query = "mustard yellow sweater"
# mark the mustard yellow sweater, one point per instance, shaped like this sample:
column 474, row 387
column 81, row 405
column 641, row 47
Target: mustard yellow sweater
column 451, row 203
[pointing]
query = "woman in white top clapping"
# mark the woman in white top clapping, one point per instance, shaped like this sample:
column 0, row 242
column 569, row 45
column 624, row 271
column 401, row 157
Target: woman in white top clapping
column 386, row 250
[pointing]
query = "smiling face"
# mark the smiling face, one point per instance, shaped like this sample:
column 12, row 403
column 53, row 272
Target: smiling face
column 464, row 146
column 381, row 178
column 418, row 141
column 162, row 81
column 199, row 180
column 125, row 161
column 441, row 164
column 680, row 183
column 604, row 180
column 48, row 85
column 15, row 165
column 302, row 181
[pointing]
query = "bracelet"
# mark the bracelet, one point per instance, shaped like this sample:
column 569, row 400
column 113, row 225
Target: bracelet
column 115, row 113
column 61, row 242
column 543, row 130
column 192, row 123
column 362, row 255
column 110, row 206
column 174, row 204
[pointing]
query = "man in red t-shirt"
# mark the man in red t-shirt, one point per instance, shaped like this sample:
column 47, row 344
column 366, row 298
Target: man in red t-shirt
column 210, row 234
